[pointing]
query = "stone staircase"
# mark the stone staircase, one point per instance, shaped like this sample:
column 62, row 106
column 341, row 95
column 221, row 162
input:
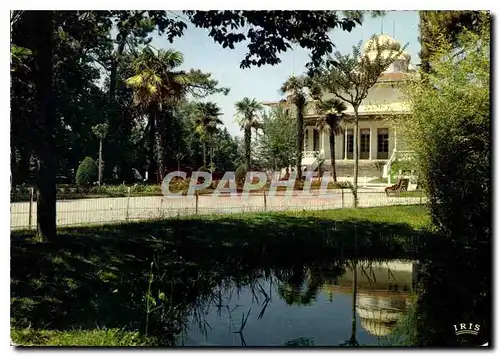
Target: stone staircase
column 367, row 168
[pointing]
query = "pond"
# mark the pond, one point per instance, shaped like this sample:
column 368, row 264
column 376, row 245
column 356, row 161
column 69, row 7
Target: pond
column 307, row 306
column 273, row 281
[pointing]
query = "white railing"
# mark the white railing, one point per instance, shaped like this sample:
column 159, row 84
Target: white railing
column 403, row 155
column 387, row 167
column 311, row 154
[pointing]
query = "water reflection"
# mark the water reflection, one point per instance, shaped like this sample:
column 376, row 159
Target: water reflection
column 346, row 303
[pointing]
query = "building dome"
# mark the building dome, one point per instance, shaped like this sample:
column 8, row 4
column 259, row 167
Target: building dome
column 379, row 314
column 390, row 50
column 376, row 328
column 381, row 40
column 385, row 310
column 405, row 56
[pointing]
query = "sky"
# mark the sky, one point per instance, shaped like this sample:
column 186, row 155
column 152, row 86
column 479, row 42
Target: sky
column 201, row 52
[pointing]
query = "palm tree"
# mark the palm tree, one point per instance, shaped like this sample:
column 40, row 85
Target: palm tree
column 206, row 122
column 291, row 289
column 157, row 86
column 352, row 340
column 295, row 88
column 247, row 110
column 329, row 118
column 100, row 131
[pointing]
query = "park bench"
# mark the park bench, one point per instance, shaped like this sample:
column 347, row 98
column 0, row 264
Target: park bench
column 400, row 186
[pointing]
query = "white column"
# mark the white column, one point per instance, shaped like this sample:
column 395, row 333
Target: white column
column 395, row 140
column 322, row 149
column 345, row 141
column 306, row 138
column 371, row 141
column 310, row 142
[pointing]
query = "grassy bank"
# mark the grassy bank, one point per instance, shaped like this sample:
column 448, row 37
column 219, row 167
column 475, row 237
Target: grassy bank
column 89, row 338
column 96, row 279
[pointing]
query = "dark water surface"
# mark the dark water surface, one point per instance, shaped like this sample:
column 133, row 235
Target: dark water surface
column 307, row 307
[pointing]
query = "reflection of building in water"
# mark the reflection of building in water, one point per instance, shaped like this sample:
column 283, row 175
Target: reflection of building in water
column 379, row 313
column 383, row 291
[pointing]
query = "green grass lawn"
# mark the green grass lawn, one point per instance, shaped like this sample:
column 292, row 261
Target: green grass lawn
column 91, row 283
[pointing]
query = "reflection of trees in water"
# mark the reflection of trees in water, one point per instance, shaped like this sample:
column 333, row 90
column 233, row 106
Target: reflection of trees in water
column 300, row 285
column 296, row 285
column 352, row 341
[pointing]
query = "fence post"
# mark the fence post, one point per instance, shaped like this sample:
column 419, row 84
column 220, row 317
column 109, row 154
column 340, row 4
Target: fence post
column 265, row 201
column 30, row 220
column 420, row 197
column 196, row 195
column 128, row 203
column 342, row 190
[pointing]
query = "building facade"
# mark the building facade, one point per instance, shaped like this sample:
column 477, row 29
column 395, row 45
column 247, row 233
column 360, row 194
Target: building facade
column 378, row 133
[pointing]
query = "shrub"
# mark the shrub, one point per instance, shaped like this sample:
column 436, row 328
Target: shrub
column 86, row 173
column 179, row 185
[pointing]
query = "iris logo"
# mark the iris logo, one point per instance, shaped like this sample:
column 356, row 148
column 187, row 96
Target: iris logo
column 463, row 328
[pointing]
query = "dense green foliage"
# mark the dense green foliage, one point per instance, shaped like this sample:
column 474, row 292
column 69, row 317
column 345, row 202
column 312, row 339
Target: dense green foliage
column 453, row 120
column 450, row 132
column 448, row 25
column 277, row 145
column 86, row 174
column 295, row 89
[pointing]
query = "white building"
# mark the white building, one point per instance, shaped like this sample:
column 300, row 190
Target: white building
column 378, row 136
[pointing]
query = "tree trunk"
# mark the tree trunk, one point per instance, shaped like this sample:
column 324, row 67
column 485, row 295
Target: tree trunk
column 248, row 143
column 300, row 141
column 121, row 39
column 161, row 155
column 204, row 153
column 45, row 124
column 100, row 162
column 14, row 169
column 211, row 153
column 160, row 148
column 114, row 114
column 356, row 156
column 332, row 154
column 152, row 143
column 354, row 297
column 24, row 164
